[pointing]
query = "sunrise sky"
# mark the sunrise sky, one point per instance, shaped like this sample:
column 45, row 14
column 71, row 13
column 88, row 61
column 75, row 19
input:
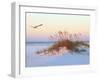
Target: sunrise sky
column 52, row 23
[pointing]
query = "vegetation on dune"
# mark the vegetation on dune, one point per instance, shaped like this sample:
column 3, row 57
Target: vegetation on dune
column 64, row 40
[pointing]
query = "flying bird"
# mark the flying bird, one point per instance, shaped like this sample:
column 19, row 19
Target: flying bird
column 37, row 26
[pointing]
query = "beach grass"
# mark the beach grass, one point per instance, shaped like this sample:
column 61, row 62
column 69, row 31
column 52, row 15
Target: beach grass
column 64, row 41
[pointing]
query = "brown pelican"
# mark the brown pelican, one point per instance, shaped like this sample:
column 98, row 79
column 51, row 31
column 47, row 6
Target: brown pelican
column 37, row 26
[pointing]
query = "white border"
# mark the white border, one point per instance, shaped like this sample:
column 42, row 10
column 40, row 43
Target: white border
column 19, row 61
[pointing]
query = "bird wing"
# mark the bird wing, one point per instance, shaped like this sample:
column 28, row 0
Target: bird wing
column 37, row 26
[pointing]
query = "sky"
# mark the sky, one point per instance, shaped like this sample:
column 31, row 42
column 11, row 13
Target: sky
column 52, row 23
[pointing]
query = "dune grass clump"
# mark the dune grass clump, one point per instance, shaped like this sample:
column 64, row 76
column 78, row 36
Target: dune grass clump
column 63, row 41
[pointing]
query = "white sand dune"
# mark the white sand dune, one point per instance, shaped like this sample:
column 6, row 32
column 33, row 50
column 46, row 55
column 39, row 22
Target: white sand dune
column 34, row 60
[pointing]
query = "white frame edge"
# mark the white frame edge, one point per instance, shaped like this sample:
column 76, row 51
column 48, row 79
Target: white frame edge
column 15, row 40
